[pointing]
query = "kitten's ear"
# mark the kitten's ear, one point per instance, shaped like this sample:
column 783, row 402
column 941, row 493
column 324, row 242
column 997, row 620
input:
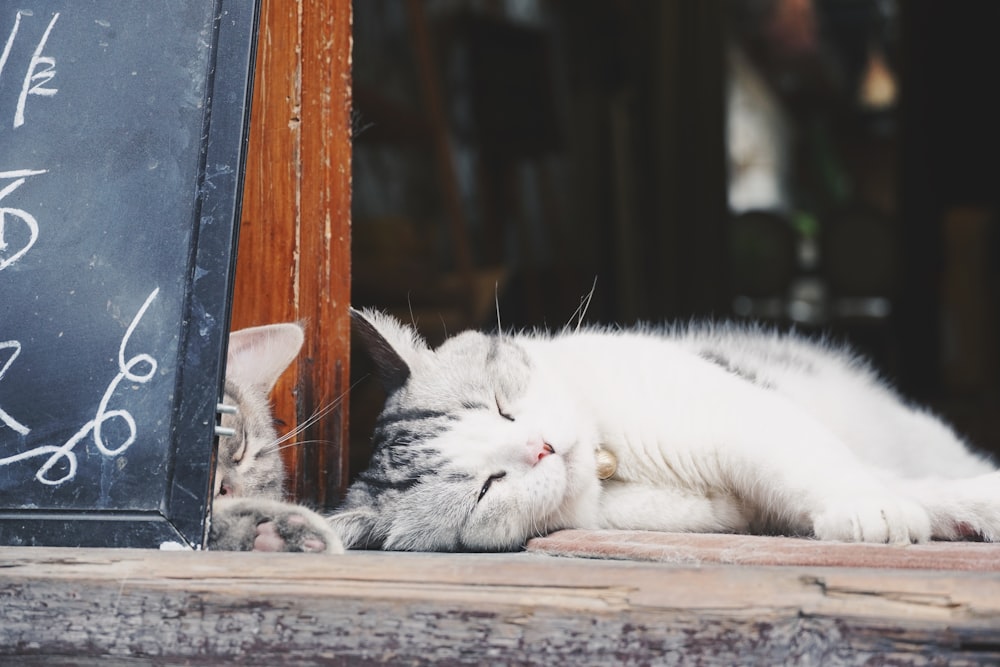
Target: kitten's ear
column 356, row 528
column 392, row 345
column 259, row 355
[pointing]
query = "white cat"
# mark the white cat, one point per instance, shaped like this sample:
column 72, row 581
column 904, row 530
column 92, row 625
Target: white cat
column 489, row 440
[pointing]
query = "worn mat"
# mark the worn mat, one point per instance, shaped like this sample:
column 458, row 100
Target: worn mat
column 689, row 548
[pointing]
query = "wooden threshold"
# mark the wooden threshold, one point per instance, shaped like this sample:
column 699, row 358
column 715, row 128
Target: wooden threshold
column 108, row 606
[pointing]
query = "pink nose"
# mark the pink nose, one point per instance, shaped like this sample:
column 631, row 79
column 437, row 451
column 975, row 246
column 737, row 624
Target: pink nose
column 545, row 450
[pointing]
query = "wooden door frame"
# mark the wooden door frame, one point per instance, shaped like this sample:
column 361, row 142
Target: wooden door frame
column 294, row 259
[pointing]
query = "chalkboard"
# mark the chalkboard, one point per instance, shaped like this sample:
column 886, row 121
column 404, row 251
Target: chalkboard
column 123, row 130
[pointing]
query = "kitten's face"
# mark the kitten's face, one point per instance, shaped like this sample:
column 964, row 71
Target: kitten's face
column 475, row 450
column 249, row 462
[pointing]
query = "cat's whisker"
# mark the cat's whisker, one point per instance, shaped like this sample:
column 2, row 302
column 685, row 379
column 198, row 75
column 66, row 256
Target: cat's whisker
column 409, row 306
column 299, row 429
column 317, row 415
column 278, row 446
column 581, row 311
column 297, row 443
column 537, row 524
column 496, row 301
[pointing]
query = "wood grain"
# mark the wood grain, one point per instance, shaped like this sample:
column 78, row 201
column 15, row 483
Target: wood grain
column 146, row 607
column 294, row 252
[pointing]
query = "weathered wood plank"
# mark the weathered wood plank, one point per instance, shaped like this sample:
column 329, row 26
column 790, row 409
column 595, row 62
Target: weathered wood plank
column 325, row 239
column 80, row 606
column 295, row 238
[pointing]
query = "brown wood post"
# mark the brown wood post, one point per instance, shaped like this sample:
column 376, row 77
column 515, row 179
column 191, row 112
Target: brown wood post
column 294, row 259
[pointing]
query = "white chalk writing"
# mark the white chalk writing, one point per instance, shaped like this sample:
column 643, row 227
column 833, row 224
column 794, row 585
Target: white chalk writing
column 5, row 417
column 29, row 220
column 10, row 43
column 128, row 369
column 40, row 71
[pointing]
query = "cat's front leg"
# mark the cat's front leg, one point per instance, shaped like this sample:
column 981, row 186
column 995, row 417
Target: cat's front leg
column 255, row 524
column 644, row 506
column 841, row 500
column 870, row 514
column 799, row 478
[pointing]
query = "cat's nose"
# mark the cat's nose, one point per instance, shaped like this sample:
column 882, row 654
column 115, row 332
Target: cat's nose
column 538, row 450
column 226, row 489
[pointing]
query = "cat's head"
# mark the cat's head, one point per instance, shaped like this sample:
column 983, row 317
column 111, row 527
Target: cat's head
column 476, row 449
column 249, row 462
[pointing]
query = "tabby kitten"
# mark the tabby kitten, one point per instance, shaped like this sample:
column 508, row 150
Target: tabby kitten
column 248, row 512
column 489, row 440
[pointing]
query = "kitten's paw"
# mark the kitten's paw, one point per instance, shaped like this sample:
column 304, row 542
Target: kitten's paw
column 249, row 524
column 879, row 519
column 297, row 529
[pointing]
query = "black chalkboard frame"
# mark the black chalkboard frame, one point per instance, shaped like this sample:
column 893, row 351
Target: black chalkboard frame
column 182, row 519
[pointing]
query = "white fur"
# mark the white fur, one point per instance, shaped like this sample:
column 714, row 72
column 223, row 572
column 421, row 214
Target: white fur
column 830, row 452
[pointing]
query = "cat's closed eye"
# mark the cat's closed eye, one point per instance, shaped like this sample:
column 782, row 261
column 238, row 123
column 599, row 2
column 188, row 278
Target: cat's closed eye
column 503, row 412
column 489, row 482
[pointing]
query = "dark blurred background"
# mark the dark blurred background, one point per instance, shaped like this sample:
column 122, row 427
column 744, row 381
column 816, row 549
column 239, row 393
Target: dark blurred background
column 828, row 165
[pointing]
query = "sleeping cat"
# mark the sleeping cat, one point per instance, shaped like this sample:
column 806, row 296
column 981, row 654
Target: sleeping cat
column 248, row 512
column 489, row 440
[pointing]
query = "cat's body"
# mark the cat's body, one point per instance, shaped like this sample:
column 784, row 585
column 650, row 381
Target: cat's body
column 490, row 440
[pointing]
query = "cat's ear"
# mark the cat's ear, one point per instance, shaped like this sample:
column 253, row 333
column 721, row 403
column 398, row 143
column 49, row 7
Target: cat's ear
column 356, row 528
column 392, row 346
column 259, row 355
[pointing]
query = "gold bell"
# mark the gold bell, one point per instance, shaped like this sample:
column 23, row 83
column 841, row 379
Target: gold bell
column 607, row 463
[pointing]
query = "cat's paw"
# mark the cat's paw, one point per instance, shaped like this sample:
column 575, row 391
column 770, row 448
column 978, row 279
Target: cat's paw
column 965, row 509
column 247, row 524
column 872, row 518
column 983, row 517
column 297, row 529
